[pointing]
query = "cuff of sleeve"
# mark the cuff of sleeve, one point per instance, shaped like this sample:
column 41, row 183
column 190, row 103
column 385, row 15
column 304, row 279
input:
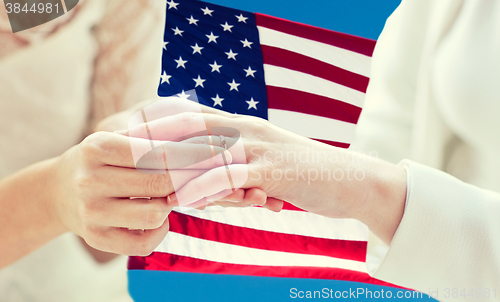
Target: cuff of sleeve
column 411, row 252
column 377, row 250
column 436, row 229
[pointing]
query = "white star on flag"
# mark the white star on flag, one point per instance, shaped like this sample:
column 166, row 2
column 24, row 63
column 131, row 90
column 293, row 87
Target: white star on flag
column 180, row 63
column 250, row 72
column 177, row 31
column 165, row 45
column 217, row 100
column 215, row 67
column 192, row 20
column 252, row 104
column 241, row 18
column 199, row 82
column 172, row 4
column 196, row 49
column 231, row 55
column 207, row 11
column 212, row 37
column 165, row 77
column 227, row 27
column 183, row 95
column 247, row 43
column 234, row 85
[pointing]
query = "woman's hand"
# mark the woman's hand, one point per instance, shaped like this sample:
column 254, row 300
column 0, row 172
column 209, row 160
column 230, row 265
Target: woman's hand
column 162, row 107
column 95, row 181
column 325, row 180
column 92, row 190
column 269, row 161
column 119, row 121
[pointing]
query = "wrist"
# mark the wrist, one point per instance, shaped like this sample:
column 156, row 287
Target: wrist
column 326, row 180
column 52, row 197
column 382, row 207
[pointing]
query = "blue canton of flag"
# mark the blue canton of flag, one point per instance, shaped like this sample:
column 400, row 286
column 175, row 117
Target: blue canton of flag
column 221, row 60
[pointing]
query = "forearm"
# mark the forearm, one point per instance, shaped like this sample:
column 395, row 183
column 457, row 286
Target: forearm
column 28, row 220
column 347, row 184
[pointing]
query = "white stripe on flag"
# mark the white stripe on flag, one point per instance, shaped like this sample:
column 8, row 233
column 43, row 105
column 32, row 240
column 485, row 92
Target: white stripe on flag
column 313, row 126
column 287, row 222
column 342, row 58
column 183, row 245
column 286, row 78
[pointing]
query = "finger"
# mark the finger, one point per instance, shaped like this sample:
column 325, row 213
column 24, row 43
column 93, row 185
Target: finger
column 215, row 181
column 255, row 197
column 244, row 198
column 228, row 195
column 200, row 204
column 137, row 213
column 234, row 145
column 212, row 140
column 168, row 106
column 174, row 155
column 240, row 197
column 167, row 128
column 126, row 242
column 117, row 150
column 111, row 149
column 251, row 197
column 273, row 204
column 125, row 182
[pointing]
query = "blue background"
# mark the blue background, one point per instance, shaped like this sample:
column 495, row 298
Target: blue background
column 365, row 18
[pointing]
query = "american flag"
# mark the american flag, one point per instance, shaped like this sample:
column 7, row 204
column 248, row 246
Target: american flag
column 308, row 80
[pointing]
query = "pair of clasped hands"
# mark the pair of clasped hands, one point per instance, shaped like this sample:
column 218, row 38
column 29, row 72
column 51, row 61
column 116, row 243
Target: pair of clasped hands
column 117, row 198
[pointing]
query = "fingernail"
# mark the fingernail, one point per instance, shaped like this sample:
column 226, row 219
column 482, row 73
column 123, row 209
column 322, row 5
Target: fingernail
column 172, row 199
column 227, row 157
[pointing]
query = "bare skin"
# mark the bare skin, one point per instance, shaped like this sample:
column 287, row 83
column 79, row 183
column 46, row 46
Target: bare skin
column 87, row 191
column 377, row 199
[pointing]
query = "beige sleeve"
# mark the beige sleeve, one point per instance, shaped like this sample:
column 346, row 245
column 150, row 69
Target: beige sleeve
column 386, row 122
column 448, row 241
column 127, row 68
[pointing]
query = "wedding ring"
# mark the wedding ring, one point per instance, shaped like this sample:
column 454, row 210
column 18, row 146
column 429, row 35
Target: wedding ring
column 223, row 142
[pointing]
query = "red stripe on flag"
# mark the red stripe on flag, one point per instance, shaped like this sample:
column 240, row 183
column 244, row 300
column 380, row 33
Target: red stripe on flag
column 308, row 103
column 291, row 207
column 332, row 143
column 357, row 44
column 288, row 206
column 266, row 240
column 175, row 263
column 291, row 60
